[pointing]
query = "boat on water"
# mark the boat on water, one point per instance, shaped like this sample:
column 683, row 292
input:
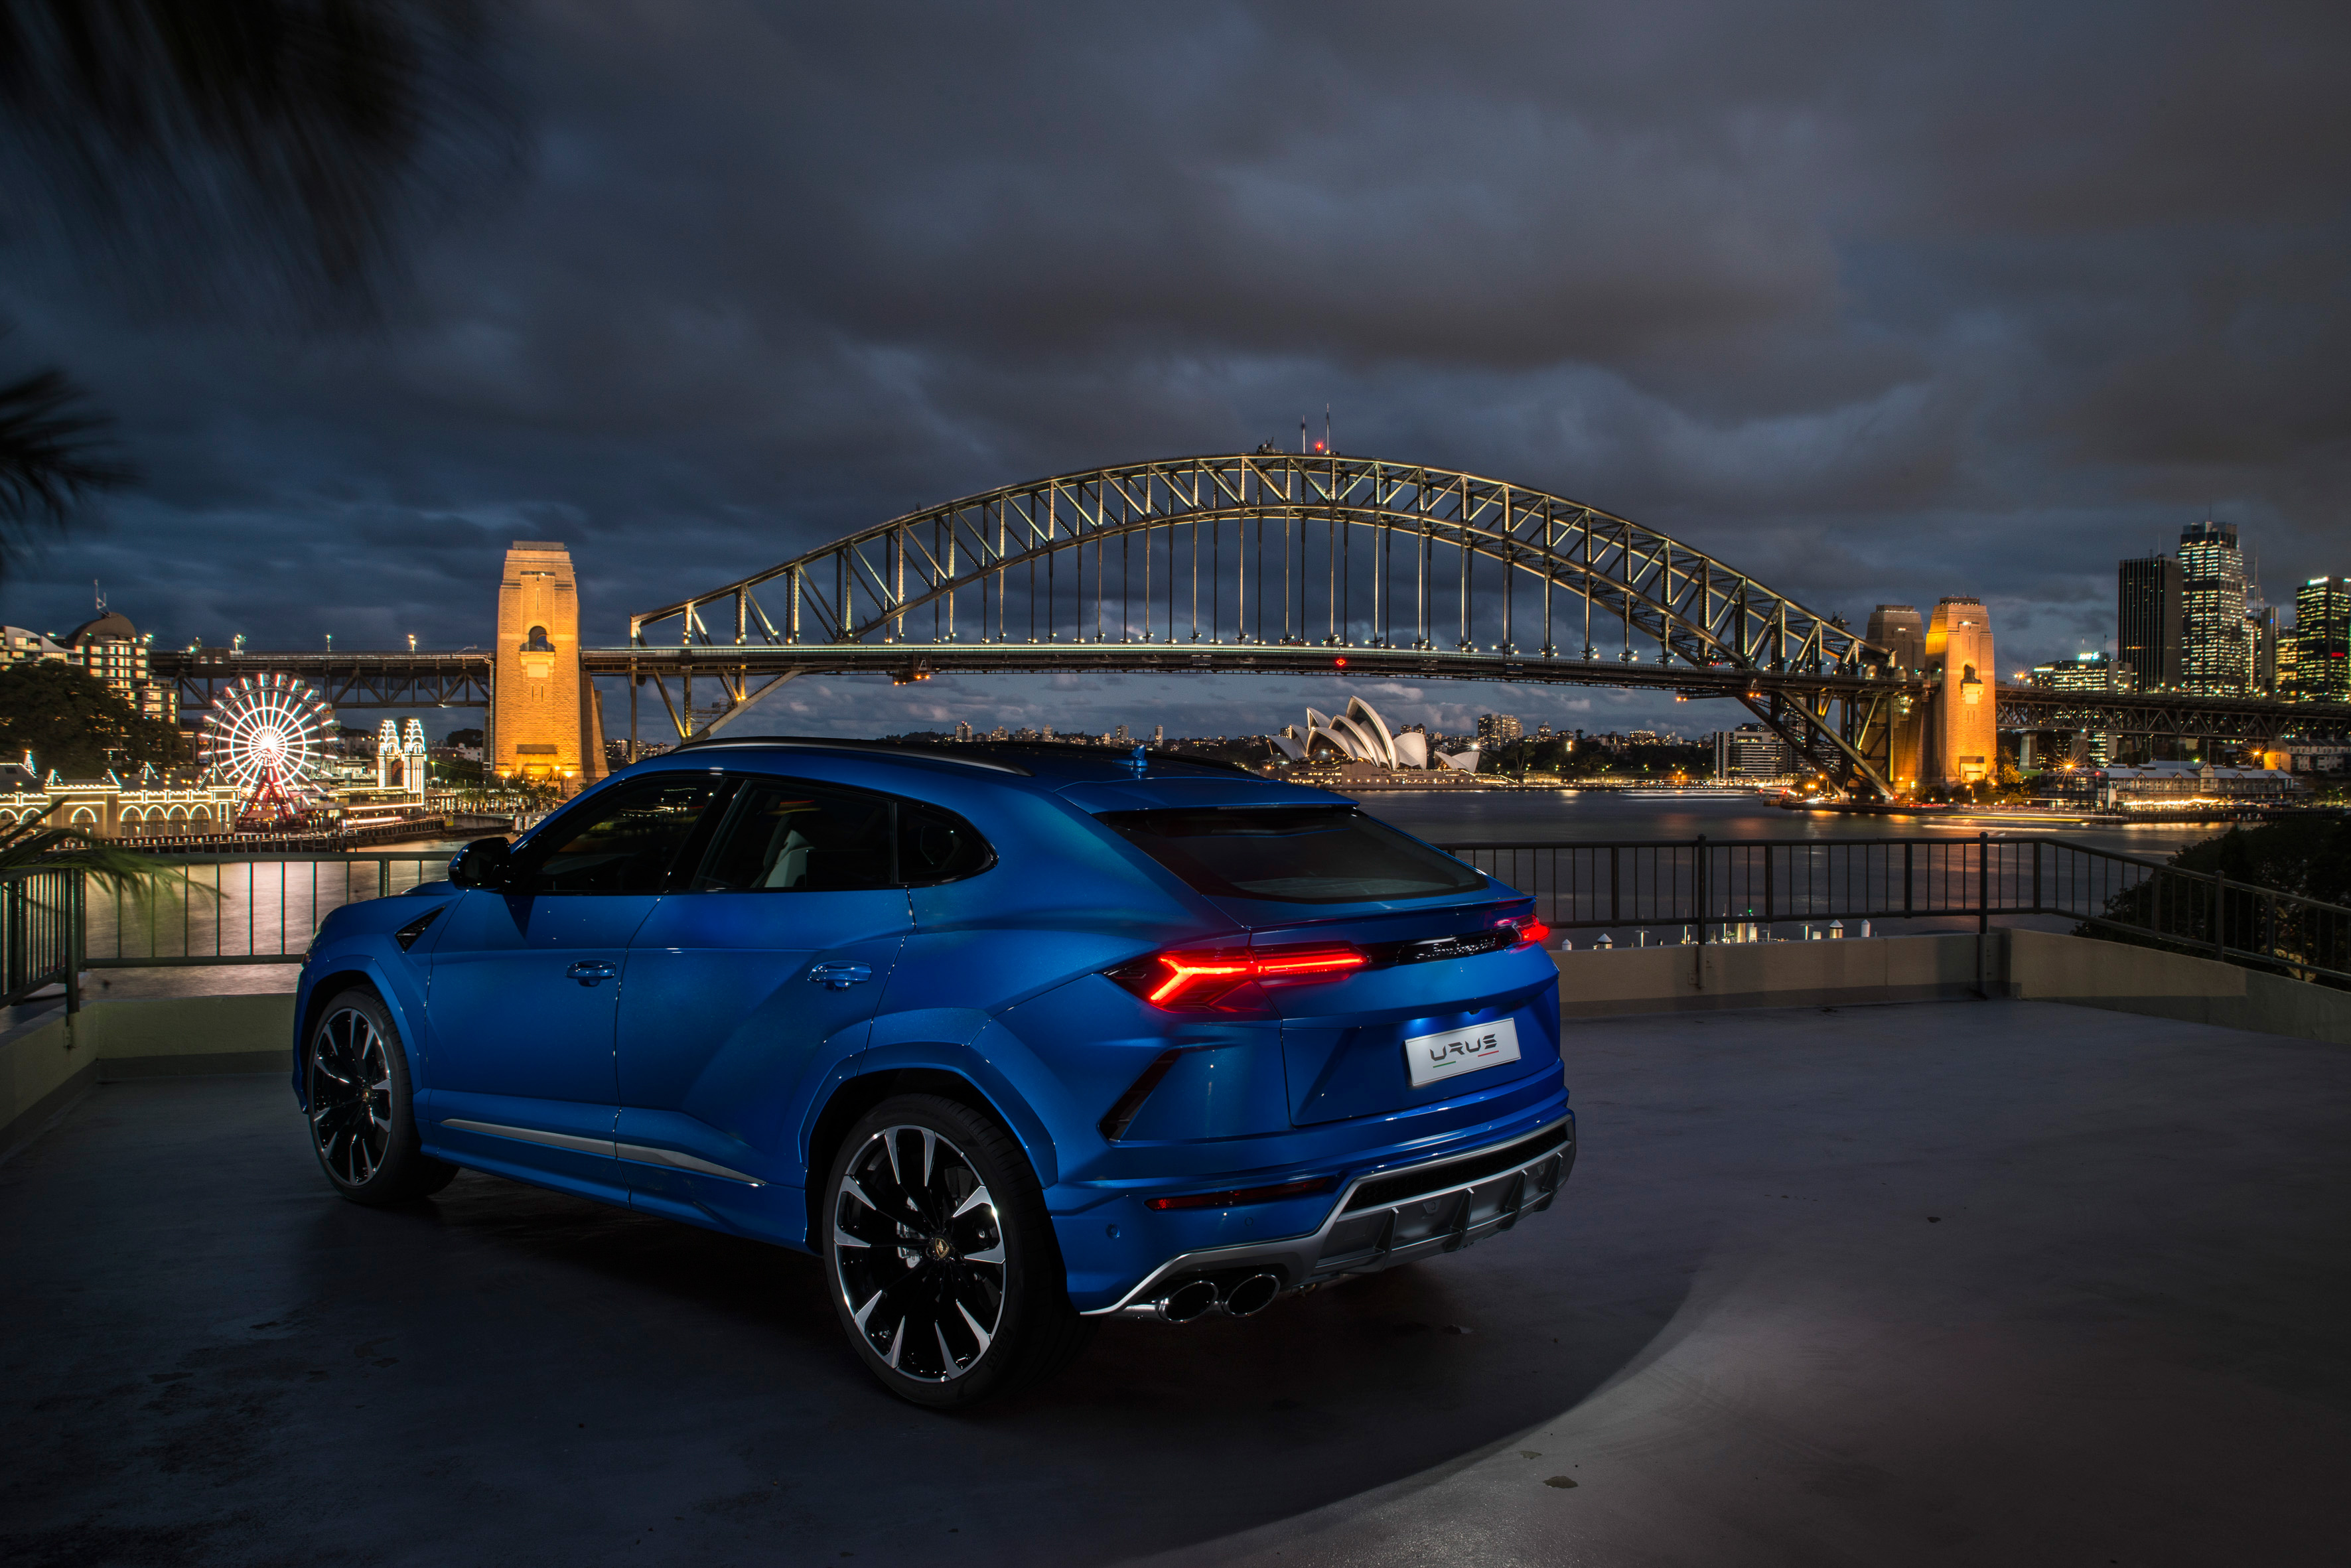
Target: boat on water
column 1791, row 802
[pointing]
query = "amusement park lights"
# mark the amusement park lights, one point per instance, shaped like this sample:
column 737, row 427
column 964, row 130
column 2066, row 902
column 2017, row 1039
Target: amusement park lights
column 262, row 736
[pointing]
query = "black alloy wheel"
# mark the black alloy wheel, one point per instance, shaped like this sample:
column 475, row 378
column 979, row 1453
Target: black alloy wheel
column 362, row 1125
column 944, row 1271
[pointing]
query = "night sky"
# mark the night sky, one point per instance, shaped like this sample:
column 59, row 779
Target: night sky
column 1876, row 303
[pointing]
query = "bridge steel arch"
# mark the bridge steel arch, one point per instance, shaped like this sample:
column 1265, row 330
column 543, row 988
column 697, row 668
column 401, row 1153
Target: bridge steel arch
column 1237, row 557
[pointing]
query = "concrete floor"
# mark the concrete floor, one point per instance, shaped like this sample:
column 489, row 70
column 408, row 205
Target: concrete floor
column 1975, row 1282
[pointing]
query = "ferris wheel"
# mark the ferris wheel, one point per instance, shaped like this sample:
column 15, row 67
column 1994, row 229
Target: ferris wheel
column 263, row 736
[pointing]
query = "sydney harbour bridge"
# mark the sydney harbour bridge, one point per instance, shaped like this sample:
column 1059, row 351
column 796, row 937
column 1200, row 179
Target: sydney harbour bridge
column 1277, row 563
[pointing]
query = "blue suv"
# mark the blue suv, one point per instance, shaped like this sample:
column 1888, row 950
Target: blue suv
column 1012, row 1037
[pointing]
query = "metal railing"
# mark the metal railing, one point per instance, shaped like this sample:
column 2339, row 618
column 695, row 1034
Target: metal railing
column 1726, row 889
column 241, row 909
column 40, row 919
column 249, row 909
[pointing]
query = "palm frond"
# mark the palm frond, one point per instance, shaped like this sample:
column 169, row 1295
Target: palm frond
column 52, row 454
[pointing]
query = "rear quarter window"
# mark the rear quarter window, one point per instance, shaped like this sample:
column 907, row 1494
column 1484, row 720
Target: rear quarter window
column 1292, row 854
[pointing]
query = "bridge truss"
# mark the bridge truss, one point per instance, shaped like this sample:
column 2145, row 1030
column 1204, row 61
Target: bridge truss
column 1273, row 561
column 345, row 680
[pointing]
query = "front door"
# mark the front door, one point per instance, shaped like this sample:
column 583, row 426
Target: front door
column 526, row 980
column 749, row 994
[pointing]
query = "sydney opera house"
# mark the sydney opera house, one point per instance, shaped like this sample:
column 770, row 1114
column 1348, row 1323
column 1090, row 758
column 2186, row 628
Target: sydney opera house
column 1360, row 735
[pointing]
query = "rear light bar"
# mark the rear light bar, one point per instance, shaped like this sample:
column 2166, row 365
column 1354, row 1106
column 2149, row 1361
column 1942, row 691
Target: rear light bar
column 1243, row 1195
column 1530, row 927
column 1200, row 977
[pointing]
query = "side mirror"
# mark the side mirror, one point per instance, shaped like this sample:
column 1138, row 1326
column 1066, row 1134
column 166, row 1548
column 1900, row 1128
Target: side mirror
column 484, row 863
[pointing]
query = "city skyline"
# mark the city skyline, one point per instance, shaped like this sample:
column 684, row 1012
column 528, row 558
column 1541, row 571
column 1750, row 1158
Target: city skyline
column 1835, row 338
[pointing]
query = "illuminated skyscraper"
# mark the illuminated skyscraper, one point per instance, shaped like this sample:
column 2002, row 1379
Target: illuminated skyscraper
column 2322, row 640
column 2216, row 646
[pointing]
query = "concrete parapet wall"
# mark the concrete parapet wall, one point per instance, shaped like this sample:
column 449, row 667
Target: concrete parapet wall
column 1597, row 982
column 2035, row 966
column 51, row 1060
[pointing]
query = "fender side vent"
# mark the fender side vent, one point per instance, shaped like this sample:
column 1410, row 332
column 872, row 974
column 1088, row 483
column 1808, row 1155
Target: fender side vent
column 407, row 935
column 1119, row 1117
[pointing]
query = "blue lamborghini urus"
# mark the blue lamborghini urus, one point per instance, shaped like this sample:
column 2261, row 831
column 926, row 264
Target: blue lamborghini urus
column 1012, row 1037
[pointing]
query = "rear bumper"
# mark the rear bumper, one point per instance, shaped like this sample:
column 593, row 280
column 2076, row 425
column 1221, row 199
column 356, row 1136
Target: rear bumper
column 1388, row 1217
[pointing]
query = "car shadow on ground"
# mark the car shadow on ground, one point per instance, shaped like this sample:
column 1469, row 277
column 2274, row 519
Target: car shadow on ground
column 1158, row 1436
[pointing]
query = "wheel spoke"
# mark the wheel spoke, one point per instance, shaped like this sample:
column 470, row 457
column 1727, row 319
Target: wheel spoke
column 978, row 1200
column 977, row 1333
column 991, row 1254
column 849, row 1186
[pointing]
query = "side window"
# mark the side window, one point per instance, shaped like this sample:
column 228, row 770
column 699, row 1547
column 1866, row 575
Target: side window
column 935, row 846
column 780, row 836
column 625, row 843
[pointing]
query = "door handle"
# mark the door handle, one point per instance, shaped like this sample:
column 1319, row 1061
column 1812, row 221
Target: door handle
column 839, row 974
column 588, row 971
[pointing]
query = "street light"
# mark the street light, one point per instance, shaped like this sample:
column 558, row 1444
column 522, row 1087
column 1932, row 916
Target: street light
column 411, row 642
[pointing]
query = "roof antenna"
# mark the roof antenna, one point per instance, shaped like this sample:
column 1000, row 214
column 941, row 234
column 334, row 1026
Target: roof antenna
column 1327, row 450
column 1301, row 436
column 99, row 594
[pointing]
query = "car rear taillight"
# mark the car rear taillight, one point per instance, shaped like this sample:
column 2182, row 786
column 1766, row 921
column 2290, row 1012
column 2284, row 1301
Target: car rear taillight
column 1188, row 978
column 1530, row 929
column 1243, row 1195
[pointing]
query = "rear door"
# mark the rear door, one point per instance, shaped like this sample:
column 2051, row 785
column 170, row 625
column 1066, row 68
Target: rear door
column 749, row 992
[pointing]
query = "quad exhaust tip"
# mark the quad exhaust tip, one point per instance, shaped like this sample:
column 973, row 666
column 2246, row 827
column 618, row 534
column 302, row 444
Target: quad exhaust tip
column 1252, row 1295
column 1198, row 1297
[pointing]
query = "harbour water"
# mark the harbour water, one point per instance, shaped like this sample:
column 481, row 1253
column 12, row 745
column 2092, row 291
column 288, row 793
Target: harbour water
column 267, row 907
column 1617, row 816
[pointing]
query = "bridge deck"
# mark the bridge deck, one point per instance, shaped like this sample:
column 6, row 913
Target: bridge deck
column 1740, row 1334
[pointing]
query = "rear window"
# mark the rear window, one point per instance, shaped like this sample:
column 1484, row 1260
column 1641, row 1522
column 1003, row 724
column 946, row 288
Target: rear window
column 1293, row 854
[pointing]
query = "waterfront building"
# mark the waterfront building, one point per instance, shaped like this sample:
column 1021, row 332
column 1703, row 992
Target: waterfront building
column 2178, row 785
column 963, row 731
column 2321, row 667
column 1359, row 735
column 1752, row 754
column 2216, row 646
column 111, row 650
column 148, row 804
column 2148, row 620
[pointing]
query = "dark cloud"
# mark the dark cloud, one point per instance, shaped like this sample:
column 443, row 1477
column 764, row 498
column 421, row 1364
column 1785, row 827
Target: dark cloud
column 1876, row 303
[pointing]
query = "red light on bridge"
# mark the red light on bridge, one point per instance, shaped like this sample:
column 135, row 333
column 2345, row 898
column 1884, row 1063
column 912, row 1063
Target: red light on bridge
column 1338, row 663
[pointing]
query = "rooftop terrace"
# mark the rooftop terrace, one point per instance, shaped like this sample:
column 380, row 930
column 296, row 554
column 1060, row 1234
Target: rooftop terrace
column 1971, row 1282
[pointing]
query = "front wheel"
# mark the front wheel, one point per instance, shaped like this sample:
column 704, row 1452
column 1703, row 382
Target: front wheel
column 942, row 1258
column 362, row 1114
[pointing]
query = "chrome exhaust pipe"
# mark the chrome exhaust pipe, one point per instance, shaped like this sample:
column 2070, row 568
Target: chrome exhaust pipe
column 1193, row 1299
column 1252, row 1295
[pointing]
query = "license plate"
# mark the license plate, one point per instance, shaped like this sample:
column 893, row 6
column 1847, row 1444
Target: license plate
column 1459, row 1051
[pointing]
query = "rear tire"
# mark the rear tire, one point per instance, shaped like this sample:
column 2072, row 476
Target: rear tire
column 362, row 1112
column 941, row 1258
